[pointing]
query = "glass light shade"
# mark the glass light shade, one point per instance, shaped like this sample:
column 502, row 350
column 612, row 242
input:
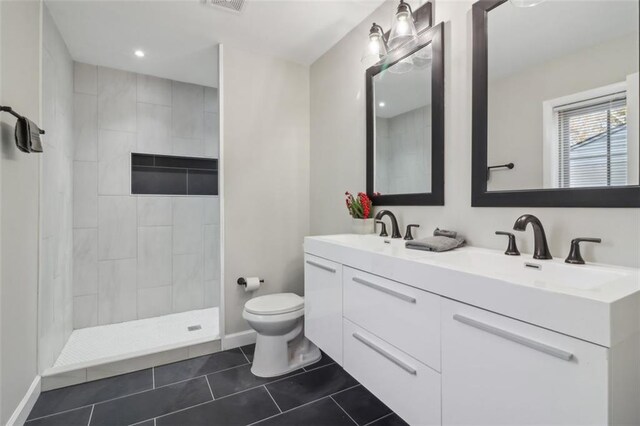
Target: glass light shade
column 403, row 29
column 376, row 48
column 422, row 58
column 526, row 3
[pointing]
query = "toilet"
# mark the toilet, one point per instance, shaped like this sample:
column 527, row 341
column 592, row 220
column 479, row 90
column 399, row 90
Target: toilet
column 280, row 344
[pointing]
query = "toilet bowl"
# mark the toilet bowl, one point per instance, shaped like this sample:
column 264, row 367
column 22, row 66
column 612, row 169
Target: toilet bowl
column 280, row 344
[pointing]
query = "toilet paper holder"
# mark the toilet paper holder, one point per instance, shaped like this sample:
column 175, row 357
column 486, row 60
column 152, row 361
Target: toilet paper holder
column 243, row 282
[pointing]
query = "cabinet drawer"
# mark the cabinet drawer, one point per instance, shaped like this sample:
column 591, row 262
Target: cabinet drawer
column 500, row 371
column 323, row 304
column 407, row 386
column 406, row 317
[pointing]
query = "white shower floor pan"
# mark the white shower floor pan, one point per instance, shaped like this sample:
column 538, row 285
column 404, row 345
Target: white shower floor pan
column 105, row 344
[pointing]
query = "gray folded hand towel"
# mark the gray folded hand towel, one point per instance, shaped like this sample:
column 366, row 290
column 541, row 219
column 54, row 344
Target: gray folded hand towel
column 437, row 243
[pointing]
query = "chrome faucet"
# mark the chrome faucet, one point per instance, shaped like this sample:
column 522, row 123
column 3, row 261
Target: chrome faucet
column 395, row 229
column 540, row 248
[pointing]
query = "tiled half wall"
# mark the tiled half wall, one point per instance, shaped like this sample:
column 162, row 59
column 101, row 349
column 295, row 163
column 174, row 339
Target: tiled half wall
column 139, row 256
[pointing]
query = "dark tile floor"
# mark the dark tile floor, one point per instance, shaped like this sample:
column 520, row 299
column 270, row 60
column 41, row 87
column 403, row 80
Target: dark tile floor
column 216, row 389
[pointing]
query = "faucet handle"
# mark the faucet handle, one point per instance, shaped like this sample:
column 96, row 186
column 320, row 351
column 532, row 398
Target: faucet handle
column 512, row 249
column 575, row 257
column 383, row 231
column 408, row 235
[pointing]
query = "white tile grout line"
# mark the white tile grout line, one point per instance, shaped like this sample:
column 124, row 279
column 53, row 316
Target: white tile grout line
column 153, row 377
column 213, row 398
column 343, row 410
column 91, row 415
column 305, row 404
column 193, row 378
column 274, row 401
column 245, row 355
column 380, row 418
column 134, row 393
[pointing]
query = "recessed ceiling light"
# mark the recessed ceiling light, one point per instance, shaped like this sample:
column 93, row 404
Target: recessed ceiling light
column 381, row 104
column 139, row 53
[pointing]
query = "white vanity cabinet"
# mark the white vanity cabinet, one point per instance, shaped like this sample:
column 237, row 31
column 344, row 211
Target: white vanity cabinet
column 323, row 304
column 443, row 344
column 499, row 371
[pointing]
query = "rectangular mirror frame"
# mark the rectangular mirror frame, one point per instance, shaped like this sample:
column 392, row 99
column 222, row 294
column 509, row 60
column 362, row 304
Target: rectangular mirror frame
column 622, row 196
column 433, row 35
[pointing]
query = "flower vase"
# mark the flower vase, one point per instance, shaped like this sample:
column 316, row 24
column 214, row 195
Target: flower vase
column 362, row 226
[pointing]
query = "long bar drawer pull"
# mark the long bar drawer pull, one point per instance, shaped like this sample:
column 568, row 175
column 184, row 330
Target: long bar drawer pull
column 406, row 367
column 533, row 344
column 321, row 266
column 378, row 287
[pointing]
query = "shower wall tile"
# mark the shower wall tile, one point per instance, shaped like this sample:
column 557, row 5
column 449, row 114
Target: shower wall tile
column 117, row 292
column 85, row 127
column 211, row 100
column 188, row 147
column 116, row 99
column 211, row 132
column 188, row 286
column 154, row 90
column 85, row 194
column 188, row 110
column 85, row 78
column 133, row 256
column 211, row 210
column 114, row 164
column 85, row 261
column 211, row 293
column 117, row 233
column 153, row 302
column 154, row 129
column 85, row 311
column 154, row 211
column 154, row 256
column 211, row 252
column 187, row 225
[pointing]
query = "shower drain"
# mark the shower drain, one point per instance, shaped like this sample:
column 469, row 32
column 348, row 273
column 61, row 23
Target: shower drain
column 194, row 327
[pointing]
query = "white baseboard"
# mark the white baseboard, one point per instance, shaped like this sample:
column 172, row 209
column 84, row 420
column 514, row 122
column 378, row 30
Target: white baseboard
column 235, row 340
column 23, row 409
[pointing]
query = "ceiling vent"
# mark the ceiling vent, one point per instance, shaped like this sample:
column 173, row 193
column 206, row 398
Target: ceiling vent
column 232, row 5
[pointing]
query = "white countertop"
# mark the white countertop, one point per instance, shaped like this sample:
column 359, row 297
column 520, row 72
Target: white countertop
column 593, row 302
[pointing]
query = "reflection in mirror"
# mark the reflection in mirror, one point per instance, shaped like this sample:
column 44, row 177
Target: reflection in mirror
column 563, row 95
column 402, row 96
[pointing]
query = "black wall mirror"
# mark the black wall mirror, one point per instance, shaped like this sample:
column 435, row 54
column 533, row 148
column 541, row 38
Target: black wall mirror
column 405, row 124
column 555, row 104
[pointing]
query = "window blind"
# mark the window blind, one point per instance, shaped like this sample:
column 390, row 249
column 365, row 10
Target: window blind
column 592, row 137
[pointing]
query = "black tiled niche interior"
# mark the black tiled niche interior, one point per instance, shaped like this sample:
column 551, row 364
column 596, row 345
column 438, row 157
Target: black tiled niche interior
column 169, row 175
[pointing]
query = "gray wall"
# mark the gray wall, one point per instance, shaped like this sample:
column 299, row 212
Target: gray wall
column 338, row 154
column 55, row 296
column 266, row 177
column 140, row 256
column 19, row 177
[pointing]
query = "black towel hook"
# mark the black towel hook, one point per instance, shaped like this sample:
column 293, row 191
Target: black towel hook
column 16, row 115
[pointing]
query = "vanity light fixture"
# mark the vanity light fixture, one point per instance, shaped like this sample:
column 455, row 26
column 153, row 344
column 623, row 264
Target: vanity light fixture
column 403, row 27
column 139, row 53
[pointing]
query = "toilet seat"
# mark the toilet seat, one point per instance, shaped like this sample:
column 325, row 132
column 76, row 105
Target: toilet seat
column 274, row 304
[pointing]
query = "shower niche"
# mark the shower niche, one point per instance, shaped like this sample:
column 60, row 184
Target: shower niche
column 169, row 175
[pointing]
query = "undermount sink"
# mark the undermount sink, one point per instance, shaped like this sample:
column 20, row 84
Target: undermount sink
column 525, row 270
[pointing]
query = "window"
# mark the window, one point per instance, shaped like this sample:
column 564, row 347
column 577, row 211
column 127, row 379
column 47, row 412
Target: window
column 592, row 142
